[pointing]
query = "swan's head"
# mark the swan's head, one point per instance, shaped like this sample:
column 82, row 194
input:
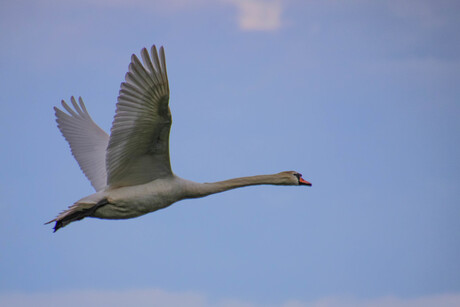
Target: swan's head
column 295, row 178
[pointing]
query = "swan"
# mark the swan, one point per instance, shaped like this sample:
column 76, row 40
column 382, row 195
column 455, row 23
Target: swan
column 130, row 169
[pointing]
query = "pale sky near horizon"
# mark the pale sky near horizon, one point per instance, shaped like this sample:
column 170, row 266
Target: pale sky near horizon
column 362, row 97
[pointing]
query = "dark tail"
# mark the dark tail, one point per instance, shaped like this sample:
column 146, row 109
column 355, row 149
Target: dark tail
column 76, row 214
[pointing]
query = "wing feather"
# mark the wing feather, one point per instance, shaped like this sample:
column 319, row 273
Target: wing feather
column 138, row 150
column 88, row 142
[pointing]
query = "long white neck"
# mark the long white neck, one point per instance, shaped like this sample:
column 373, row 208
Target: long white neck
column 195, row 189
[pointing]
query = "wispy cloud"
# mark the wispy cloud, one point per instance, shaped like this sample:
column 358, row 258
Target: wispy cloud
column 139, row 298
column 258, row 15
column 252, row 15
column 156, row 297
column 446, row 300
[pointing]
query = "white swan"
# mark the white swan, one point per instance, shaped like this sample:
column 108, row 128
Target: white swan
column 130, row 170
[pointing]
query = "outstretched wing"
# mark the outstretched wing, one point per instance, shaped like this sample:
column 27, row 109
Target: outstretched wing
column 88, row 142
column 138, row 150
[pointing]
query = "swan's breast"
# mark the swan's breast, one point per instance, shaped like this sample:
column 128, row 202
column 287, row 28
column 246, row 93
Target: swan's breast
column 132, row 201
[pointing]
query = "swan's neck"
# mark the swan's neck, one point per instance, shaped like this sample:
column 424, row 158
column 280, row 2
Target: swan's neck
column 195, row 189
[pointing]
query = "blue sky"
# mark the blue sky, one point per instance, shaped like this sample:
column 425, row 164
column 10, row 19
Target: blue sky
column 362, row 97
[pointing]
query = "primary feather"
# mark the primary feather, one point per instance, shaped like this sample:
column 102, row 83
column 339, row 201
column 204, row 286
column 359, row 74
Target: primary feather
column 138, row 150
column 88, row 142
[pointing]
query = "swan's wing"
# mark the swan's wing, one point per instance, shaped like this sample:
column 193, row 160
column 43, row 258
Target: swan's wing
column 88, row 142
column 138, row 149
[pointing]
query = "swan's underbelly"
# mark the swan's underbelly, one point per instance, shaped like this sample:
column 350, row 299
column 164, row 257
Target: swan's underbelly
column 134, row 201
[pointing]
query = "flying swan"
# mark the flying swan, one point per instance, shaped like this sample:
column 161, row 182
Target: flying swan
column 130, row 169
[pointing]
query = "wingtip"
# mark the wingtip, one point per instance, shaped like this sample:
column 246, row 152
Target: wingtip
column 66, row 106
column 134, row 58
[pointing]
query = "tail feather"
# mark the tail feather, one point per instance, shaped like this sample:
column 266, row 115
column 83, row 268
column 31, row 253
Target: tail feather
column 76, row 212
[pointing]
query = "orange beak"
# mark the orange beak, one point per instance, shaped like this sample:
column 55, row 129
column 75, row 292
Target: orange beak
column 304, row 182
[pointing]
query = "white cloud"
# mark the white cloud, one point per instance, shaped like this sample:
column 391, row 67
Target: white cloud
column 252, row 15
column 138, row 298
column 258, row 14
column 156, row 297
column 445, row 300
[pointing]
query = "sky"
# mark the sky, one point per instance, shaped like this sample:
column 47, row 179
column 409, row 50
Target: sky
column 361, row 97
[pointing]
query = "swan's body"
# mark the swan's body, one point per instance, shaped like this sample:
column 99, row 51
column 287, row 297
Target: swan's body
column 130, row 170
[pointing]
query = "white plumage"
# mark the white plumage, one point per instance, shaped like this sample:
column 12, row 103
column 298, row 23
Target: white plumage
column 130, row 170
column 87, row 140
